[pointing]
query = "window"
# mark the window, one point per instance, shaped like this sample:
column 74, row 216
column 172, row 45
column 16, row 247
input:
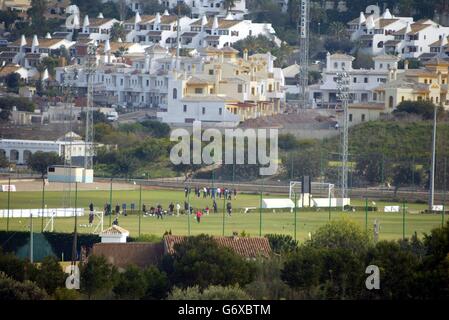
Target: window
column 175, row 93
column 363, row 117
column 390, row 102
column 185, row 108
column 220, row 111
column 350, row 117
column 211, row 72
column 203, row 110
column 355, row 80
column 365, row 80
column 336, row 65
column 253, row 91
column 239, row 88
column 198, row 90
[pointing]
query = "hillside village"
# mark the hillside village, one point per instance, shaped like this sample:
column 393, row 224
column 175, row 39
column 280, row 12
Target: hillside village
column 211, row 62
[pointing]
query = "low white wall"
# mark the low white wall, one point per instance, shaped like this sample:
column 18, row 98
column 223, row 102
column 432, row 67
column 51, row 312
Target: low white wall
column 57, row 212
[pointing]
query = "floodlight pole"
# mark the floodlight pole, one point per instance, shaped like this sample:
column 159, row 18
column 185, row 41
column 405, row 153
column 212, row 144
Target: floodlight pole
column 432, row 168
column 366, row 215
column 110, row 204
column 260, row 212
column 43, row 204
column 140, row 207
column 31, row 238
column 296, row 207
column 9, row 199
column 445, row 190
column 343, row 94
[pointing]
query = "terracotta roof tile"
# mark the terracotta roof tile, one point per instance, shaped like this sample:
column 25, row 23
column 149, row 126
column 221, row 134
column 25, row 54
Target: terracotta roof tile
column 248, row 247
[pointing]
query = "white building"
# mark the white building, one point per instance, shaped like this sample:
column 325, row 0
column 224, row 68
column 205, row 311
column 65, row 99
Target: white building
column 194, row 33
column 362, row 81
column 222, row 32
column 199, row 7
column 98, row 29
column 386, row 33
column 18, row 151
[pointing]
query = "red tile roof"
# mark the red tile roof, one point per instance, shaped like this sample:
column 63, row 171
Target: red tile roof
column 135, row 253
column 248, row 247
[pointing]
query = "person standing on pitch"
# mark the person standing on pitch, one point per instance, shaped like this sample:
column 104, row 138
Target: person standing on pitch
column 178, row 207
column 91, row 214
column 198, row 216
column 117, row 209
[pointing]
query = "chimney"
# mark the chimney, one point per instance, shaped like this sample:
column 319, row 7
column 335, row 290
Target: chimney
column 406, row 63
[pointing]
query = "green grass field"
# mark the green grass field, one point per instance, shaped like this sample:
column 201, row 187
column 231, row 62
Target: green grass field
column 306, row 221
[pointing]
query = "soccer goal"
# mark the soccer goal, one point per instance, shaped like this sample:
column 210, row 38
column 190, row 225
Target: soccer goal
column 321, row 189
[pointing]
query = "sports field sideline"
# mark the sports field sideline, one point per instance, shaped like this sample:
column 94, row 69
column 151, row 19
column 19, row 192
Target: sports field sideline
column 391, row 224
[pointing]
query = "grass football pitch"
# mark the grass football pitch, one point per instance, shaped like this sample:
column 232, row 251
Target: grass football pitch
column 307, row 221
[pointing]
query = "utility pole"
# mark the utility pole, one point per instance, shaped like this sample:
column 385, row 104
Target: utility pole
column 343, row 81
column 303, row 29
column 432, row 166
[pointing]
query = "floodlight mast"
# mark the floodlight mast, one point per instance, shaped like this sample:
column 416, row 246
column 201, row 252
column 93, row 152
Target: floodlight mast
column 344, row 96
column 89, row 139
column 304, row 35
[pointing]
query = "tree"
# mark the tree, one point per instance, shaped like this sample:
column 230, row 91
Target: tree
column 50, row 63
column 151, row 6
column 338, row 30
column 281, row 243
column 40, row 161
column 12, row 290
column 50, row 275
column 342, row 233
column 398, row 270
column 425, row 109
column 288, row 142
column 405, row 175
column 157, row 284
column 228, row 5
column 118, row 31
column 12, row 81
column 210, row 293
column 37, row 15
column 4, row 163
column 22, row 104
column 97, row 276
column 130, row 284
column 306, row 162
column 187, row 266
column 8, row 17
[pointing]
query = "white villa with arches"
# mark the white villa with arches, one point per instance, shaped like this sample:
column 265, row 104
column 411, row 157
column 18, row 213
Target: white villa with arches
column 18, row 151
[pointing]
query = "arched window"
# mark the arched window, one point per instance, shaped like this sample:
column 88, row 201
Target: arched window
column 175, row 93
column 26, row 155
column 380, row 44
column 390, row 102
column 336, row 65
column 14, row 156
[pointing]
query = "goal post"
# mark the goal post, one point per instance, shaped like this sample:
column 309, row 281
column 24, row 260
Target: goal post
column 322, row 189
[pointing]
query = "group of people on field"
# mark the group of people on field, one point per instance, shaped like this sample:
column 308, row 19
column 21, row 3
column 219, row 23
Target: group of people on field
column 206, row 192
column 175, row 209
